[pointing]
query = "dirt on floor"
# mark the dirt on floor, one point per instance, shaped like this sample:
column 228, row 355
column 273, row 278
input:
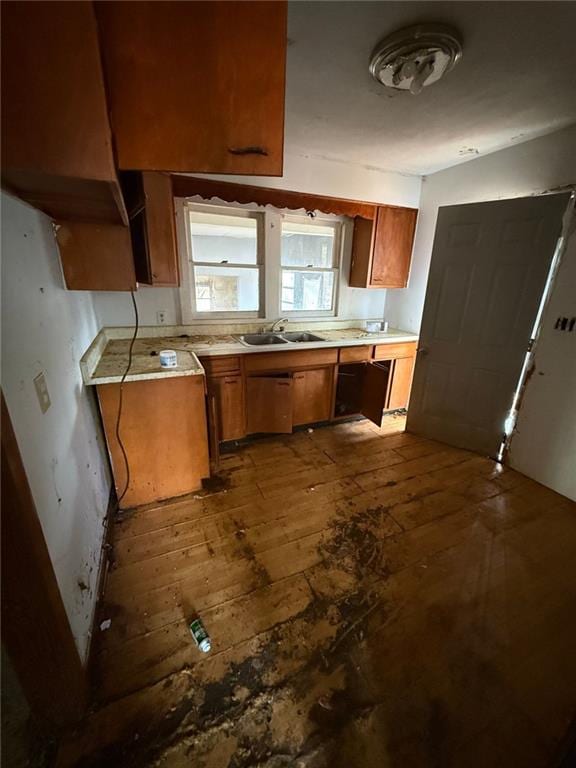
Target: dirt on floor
column 427, row 644
column 300, row 697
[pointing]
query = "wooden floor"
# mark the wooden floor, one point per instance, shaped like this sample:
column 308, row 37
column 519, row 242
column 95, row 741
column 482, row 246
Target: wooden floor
column 373, row 599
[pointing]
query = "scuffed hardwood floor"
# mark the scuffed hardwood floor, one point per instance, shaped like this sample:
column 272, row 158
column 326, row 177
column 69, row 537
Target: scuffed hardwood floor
column 373, row 599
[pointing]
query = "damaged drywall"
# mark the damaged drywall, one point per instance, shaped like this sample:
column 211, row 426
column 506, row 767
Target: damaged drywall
column 45, row 330
column 543, row 445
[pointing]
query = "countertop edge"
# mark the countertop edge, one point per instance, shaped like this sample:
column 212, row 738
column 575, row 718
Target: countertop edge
column 88, row 366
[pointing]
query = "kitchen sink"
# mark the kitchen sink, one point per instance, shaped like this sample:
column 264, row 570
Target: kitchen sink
column 256, row 339
column 301, row 336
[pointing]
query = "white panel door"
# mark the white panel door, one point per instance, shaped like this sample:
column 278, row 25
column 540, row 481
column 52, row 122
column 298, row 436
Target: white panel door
column 489, row 267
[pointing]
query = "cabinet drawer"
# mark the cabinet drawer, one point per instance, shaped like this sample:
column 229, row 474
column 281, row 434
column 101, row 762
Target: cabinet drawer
column 217, row 366
column 281, row 361
column 394, row 351
column 355, row 354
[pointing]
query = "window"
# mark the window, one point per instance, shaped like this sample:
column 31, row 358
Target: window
column 224, row 251
column 252, row 262
column 308, row 266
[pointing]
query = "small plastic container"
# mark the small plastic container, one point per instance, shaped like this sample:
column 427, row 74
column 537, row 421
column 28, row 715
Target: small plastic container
column 168, row 358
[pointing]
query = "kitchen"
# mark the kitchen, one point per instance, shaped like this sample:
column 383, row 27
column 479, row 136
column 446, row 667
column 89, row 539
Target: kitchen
column 260, row 377
column 219, row 307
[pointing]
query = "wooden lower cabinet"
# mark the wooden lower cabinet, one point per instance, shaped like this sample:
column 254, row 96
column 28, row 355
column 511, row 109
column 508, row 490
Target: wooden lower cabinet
column 163, row 429
column 278, row 392
column 269, row 404
column 312, row 396
column 401, row 383
column 229, row 402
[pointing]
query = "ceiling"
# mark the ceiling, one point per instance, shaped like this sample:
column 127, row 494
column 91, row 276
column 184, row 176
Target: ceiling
column 516, row 81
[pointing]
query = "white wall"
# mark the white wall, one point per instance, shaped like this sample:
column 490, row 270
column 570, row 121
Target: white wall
column 522, row 170
column 338, row 179
column 544, row 442
column 302, row 174
column 47, row 329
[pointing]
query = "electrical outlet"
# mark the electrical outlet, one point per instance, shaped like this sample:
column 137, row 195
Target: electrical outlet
column 161, row 317
column 42, row 392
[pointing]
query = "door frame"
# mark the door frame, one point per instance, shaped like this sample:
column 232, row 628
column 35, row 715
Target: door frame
column 35, row 628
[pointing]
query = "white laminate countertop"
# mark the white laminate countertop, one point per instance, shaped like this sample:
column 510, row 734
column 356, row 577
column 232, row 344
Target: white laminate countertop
column 106, row 359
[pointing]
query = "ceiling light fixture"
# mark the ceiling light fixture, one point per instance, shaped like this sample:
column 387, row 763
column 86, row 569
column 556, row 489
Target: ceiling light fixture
column 415, row 57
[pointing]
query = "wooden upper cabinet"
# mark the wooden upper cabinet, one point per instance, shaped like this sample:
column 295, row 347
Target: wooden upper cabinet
column 56, row 138
column 96, row 257
column 152, row 224
column 382, row 248
column 196, row 86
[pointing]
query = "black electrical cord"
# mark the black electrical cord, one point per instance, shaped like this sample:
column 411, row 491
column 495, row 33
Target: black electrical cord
column 122, row 380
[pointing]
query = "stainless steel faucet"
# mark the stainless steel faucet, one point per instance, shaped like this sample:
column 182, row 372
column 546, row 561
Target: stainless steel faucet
column 280, row 320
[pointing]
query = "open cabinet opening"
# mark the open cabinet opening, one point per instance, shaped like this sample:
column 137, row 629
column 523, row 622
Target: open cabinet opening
column 349, row 389
column 363, row 388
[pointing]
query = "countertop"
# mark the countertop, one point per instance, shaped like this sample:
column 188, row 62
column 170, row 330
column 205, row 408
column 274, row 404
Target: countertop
column 107, row 357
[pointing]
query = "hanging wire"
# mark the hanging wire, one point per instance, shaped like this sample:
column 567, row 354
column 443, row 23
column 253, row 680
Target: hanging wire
column 122, row 380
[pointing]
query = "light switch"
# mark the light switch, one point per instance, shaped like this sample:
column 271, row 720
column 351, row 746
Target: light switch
column 42, row 392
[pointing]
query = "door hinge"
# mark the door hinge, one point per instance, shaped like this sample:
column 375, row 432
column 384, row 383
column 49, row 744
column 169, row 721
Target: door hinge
column 530, row 345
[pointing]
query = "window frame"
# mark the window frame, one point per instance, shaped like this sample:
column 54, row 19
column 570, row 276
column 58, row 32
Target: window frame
column 188, row 283
column 269, row 259
column 336, row 225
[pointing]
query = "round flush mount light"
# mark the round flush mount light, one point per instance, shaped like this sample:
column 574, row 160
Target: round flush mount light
column 415, row 57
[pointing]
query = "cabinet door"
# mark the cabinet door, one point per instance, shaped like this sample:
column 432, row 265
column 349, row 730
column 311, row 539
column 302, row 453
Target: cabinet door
column 402, row 372
column 150, row 205
column 160, row 229
column 393, row 242
column 268, row 404
column 229, row 406
column 56, row 137
column 375, row 392
column 96, row 257
column 362, row 249
column 163, row 429
column 196, row 86
column 312, row 395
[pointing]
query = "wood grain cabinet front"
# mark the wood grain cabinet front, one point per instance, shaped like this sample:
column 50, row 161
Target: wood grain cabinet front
column 196, row 86
column 56, row 137
column 269, row 403
column 96, row 257
column 230, row 411
column 312, row 395
column 402, row 357
column 152, row 224
column 382, row 248
column 402, row 372
column 164, row 432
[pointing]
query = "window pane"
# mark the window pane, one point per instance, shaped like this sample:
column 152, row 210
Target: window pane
column 225, row 289
column 307, row 245
column 221, row 239
column 304, row 290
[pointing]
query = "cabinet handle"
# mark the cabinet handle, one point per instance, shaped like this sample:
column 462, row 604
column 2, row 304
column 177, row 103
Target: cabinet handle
column 282, row 383
column 248, row 151
column 230, row 381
